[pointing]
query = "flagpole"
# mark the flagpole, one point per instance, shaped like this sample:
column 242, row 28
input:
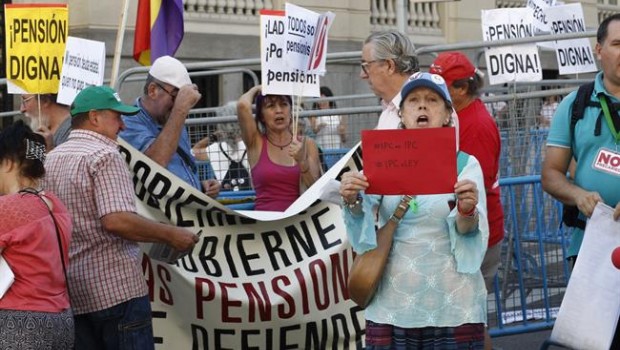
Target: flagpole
column 119, row 43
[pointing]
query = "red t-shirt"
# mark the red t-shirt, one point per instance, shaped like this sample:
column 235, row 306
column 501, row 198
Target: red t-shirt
column 479, row 137
column 30, row 247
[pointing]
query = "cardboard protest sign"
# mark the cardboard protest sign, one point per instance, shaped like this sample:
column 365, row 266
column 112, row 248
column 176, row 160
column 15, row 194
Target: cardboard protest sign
column 510, row 63
column 35, row 37
column 573, row 56
column 83, row 66
column 280, row 75
column 417, row 161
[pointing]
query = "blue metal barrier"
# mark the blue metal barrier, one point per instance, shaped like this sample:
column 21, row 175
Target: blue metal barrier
column 532, row 279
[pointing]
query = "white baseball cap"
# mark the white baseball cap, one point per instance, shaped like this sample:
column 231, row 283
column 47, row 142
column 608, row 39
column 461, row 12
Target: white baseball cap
column 171, row 71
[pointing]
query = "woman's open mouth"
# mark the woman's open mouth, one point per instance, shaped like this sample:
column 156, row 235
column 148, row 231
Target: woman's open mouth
column 422, row 120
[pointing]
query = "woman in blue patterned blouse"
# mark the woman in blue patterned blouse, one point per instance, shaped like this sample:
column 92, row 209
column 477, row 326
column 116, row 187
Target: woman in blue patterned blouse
column 432, row 294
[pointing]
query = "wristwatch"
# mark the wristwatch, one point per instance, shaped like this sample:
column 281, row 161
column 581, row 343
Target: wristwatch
column 401, row 209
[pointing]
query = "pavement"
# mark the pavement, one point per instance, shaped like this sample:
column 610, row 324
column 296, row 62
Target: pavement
column 525, row 341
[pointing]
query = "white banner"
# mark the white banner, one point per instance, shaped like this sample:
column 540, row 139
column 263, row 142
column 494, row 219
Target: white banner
column 83, row 66
column 510, row 63
column 591, row 306
column 260, row 281
column 573, row 56
column 280, row 76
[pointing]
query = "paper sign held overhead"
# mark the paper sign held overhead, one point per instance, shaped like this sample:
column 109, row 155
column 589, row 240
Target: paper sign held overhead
column 576, row 55
column 318, row 55
column 83, row 66
column 277, row 76
column 35, row 37
column 510, row 63
column 306, row 39
column 539, row 14
column 418, row 161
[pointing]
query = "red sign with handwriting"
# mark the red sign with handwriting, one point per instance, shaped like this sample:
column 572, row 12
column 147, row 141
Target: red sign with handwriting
column 414, row 161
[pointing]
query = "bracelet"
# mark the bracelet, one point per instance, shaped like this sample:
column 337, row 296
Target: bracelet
column 357, row 202
column 470, row 213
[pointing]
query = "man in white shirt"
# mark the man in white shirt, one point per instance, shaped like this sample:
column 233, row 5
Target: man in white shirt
column 388, row 59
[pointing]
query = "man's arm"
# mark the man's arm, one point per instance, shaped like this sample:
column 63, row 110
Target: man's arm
column 555, row 182
column 166, row 143
column 133, row 227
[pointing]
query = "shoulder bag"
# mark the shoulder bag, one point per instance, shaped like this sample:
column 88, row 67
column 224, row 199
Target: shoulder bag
column 367, row 268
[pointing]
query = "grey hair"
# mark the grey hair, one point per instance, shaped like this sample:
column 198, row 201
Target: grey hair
column 397, row 47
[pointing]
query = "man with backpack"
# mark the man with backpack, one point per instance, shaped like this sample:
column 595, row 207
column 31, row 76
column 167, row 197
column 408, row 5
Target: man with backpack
column 586, row 126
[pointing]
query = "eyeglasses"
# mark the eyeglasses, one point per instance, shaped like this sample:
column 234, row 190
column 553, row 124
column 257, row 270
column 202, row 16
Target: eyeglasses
column 24, row 100
column 172, row 94
column 365, row 65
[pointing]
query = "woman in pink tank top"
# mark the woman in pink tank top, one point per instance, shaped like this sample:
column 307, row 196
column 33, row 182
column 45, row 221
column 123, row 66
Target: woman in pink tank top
column 280, row 163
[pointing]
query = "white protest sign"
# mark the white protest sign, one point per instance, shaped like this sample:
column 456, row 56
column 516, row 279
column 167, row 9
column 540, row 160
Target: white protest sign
column 279, row 75
column 83, row 66
column 316, row 61
column 539, row 14
column 300, row 32
column 591, row 306
column 573, row 56
column 510, row 63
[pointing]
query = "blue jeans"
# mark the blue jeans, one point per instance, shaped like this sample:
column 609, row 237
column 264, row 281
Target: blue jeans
column 126, row 326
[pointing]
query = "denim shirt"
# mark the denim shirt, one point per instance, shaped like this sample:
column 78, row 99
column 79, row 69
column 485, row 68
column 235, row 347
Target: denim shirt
column 141, row 131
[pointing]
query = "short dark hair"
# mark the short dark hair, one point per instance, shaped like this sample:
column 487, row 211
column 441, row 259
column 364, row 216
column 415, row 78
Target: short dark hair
column 474, row 84
column 260, row 100
column 13, row 147
column 602, row 32
column 78, row 120
column 327, row 92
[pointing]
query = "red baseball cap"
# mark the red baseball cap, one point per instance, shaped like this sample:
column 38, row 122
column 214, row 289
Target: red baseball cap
column 453, row 66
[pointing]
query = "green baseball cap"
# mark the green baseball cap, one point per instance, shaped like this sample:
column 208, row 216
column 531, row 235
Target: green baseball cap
column 100, row 98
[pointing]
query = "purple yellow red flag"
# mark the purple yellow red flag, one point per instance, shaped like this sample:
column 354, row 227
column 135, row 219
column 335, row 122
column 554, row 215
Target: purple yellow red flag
column 159, row 29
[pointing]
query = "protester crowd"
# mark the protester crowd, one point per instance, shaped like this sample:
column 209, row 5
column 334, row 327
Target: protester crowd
column 71, row 230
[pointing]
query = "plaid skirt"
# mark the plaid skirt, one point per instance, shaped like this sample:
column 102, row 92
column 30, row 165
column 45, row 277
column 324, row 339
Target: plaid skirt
column 36, row 330
column 469, row 336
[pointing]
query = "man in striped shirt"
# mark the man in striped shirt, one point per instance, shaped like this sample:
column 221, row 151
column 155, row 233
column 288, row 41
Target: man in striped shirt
column 108, row 292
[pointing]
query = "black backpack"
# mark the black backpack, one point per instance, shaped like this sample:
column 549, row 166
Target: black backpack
column 237, row 177
column 583, row 100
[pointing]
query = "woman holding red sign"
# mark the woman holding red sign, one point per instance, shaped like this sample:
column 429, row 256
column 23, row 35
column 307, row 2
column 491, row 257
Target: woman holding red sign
column 431, row 294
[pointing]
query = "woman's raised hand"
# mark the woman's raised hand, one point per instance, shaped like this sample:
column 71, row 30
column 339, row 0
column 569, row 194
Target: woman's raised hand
column 351, row 183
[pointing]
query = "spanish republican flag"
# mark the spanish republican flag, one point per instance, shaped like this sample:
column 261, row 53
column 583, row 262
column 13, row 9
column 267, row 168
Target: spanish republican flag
column 159, row 29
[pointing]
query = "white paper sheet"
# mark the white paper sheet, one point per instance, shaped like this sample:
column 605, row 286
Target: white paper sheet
column 6, row 276
column 591, row 305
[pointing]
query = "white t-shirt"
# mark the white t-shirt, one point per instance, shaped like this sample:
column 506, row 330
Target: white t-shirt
column 218, row 160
